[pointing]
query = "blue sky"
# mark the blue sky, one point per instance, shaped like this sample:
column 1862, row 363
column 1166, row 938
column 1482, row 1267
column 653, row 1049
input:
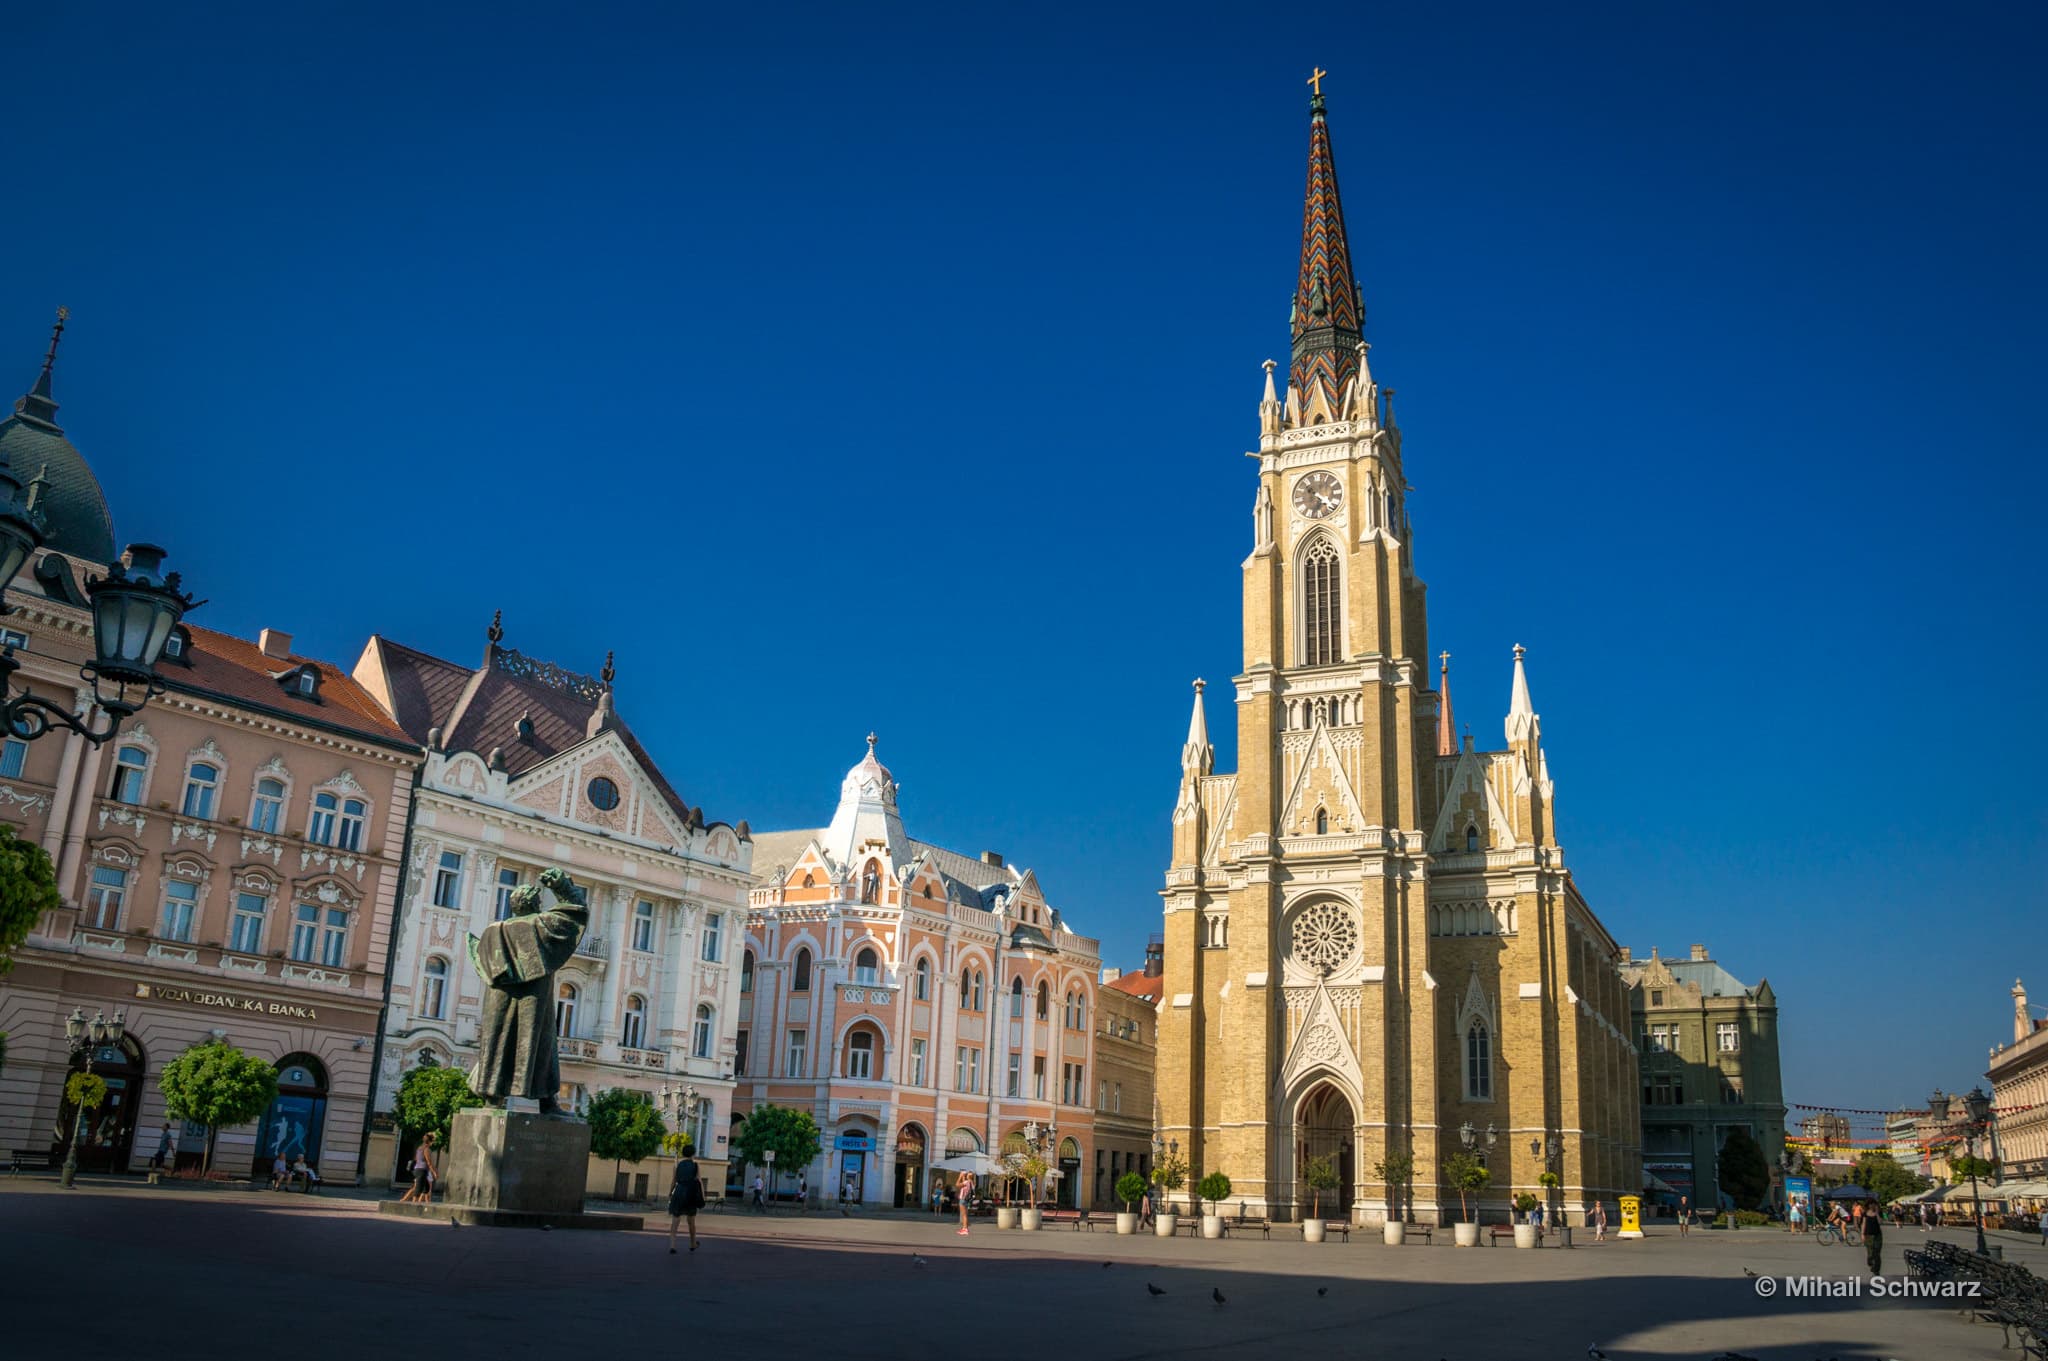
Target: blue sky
column 893, row 370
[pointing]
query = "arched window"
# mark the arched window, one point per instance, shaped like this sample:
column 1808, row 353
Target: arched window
column 566, row 998
column 1478, row 1063
column 1320, row 603
column 351, row 835
column 200, row 780
column 746, row 972
column 131, row 770
column 700, row 1033
column 633, row 1034
column 800, row 976
column 866, row 967
column 860, row 1054
column 921, row 985
column 1322, row 822
column 1017, row 997
column 871, row 884
column 434, row 992
column 1080, row 1021
column 266, row 810
column 1044, row 1000
column 1471, row 837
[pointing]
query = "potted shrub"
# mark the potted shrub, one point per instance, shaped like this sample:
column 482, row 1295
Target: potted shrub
column 1320, row 1174
column 1006, row 1213
column 1395, row 1170
column 1032, row 1167
column 1169, row 1175
column 1130, row 1189
column 1214, row 1188
column 1525, row 1228
column 1467, row 1174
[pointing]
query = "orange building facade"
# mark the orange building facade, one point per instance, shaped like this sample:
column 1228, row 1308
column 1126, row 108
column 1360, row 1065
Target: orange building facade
column 918, row 1002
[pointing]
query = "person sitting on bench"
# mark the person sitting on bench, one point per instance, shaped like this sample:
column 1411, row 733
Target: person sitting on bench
column 302, row 1169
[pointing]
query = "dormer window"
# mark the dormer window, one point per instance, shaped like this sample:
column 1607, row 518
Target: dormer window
column 178, row 647
column 304, row 682
column 524, row 727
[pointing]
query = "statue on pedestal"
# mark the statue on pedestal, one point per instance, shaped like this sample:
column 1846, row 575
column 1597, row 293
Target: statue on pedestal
column 517, row 958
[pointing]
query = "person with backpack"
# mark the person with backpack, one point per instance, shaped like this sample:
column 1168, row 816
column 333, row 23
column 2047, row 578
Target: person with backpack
column 686, row 1197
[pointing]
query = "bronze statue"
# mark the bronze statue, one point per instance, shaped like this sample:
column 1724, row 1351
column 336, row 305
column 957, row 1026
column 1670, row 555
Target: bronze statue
column 516, row 958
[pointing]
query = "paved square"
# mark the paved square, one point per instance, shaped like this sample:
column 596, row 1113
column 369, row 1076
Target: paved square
column 176, row 1273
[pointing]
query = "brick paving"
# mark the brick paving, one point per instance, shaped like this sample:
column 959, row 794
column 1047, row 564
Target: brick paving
column 178, row 1272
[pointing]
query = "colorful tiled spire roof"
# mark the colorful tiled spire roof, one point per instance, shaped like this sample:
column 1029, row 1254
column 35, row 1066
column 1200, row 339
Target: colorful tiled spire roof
column 1329, row 318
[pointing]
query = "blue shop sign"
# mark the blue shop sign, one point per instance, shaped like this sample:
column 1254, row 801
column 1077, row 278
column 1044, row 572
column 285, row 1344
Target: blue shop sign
column 855, row 1143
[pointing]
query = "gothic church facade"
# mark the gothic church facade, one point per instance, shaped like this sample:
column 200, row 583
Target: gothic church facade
column 1373, row 943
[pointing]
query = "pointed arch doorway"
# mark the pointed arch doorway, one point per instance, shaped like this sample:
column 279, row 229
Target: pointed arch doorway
column 1325, row 1126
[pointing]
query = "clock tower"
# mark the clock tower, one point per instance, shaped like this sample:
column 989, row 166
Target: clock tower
column 1313, row 1009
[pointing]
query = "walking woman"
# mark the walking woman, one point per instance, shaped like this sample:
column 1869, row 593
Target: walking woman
column 1873, row 1237
column 965, row 1186
column 422, row 1174
column 686, row 1197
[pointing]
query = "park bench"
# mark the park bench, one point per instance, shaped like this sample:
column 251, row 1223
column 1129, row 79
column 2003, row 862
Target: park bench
column 1080, row 1219
column 1495, row 1231
column 1244, row 1223
column 28, row 1160
column 1410, row 1230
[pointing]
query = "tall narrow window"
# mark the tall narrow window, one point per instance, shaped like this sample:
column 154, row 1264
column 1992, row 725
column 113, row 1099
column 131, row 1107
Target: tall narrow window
column 266, row 810
column 1472, row 837
column 131, row 770
column 305, row 931
column 866, row 967
column 917, row 1053
column 1320, row 600
column 714, row 926
column 1014, row 1084
column 1017, row 997
column 633, row 1033
column 739, row 1054
column 320, row 828
column 871, row 884
column 795, row 1061
column 1322, row 823
column 566, row 998
column 181, row 904
column 860, row 1054
column 643, row 926
column 448, row 880
column 13, row 756
column 800, row 976
column 334, row 938
column 1044, row 1000
column 1478, row 1063
column 701, row 1032
column 921, row 980
column 245, row 933
column 350, row 837
column 746, row 972
column 103, row 902
column 508, row 879
column 434, row 989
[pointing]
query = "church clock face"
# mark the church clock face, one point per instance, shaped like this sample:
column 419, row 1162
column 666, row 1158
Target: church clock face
column 1318, row 495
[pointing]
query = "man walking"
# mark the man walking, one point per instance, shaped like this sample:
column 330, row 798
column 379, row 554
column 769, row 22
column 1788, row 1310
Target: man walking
column 1684, row 1216
column 760, row 1204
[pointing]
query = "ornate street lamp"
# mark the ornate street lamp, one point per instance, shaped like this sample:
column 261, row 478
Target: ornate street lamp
column 134, row 608
column 682, row 1107
column 1978, row 1105
column 84, row 1037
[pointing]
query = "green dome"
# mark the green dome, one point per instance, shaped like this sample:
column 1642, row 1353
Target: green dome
column 74, row 510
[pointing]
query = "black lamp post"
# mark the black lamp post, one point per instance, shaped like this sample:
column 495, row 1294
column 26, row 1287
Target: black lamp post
column 84, row 1037
column 134, row 608
column 1978, row 1106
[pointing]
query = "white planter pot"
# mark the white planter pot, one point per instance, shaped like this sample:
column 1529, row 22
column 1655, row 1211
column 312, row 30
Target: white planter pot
column 1312, row 1230
column 1006, row 1216
column 1126, row 1224
column 1393, row 1232
column 1465, row 1235
column 1212, row 1226
column 1032, row 1218
column 1525, row 1235
column 1165, row 1224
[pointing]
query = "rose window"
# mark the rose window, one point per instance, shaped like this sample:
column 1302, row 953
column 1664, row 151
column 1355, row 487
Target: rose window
column 1324, row 937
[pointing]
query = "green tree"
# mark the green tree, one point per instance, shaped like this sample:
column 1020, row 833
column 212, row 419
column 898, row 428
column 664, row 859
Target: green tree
column 1467, row 1174
column 1320, row 1173
column 1965, row 1166
column 85, row 1091
column 215, row 1084
column 624, row 1126
column 428, row 1098
column 1396, row 1170
column 792, row 1135
column 1130, row 1189
column 1214, row 1188
column 28, row 889
column 1745, row 1174
column 1883, row 1176
column 1169, row 1174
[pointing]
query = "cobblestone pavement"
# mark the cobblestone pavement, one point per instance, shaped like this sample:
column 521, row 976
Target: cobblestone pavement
column 174, row 1273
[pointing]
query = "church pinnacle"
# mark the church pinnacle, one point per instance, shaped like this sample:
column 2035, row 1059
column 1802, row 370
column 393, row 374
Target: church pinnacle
column 1329, row 315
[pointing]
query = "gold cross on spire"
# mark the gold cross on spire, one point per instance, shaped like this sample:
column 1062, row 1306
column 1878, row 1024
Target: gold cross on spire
column 1315, row 82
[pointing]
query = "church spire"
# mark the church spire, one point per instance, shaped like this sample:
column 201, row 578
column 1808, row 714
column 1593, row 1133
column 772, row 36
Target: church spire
column 1446, row 730
column 37, row 404
column 1198, row 757
column 1522, row 719
column 1329, row 317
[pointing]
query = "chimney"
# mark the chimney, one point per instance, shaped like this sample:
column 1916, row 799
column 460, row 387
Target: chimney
column 993, row 858
column 1111, row 975
column 274, row 644
column 1155, row 956
column 1699, row 953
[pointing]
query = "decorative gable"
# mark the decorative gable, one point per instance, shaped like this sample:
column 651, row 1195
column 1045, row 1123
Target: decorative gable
column 1322, row 787
column 1322, row 1042
column 1470, row 803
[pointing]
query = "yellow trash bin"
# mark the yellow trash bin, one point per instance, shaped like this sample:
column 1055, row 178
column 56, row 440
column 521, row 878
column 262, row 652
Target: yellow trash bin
column 1631, row 1217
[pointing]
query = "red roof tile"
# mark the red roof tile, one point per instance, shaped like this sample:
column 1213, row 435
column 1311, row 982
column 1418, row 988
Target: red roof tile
column 236, row 670
column 1151, row 987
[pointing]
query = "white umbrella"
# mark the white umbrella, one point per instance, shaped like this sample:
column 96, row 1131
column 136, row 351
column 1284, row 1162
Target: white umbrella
column 980, row 1164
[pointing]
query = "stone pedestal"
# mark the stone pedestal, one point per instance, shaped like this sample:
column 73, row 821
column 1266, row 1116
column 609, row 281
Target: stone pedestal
column 506, row 1160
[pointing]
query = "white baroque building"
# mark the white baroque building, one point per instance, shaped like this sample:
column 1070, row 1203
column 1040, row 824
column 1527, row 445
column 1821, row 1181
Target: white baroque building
column 527, row 766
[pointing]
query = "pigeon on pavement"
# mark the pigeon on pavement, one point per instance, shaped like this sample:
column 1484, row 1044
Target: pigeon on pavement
column 916, row 1260
column 1595, row 1353
column 1215, row 1294
column 1322, row 1290
column 1152, row 1289
column 1747, row 1272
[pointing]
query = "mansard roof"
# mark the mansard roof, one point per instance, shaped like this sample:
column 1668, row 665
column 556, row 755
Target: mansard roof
column 481, row 710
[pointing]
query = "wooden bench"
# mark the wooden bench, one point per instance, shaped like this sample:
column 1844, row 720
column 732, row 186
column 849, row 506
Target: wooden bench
column 1494, row 1231
column 1244, row 1223
column 1080, row 1219
column 28, row 1160
column 1408, row 1231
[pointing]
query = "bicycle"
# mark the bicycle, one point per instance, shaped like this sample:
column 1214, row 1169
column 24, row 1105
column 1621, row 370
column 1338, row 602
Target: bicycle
column 1828, row 1233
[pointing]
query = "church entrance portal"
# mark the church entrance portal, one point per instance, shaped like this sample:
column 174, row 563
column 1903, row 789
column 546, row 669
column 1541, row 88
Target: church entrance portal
column 1326, row 1128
